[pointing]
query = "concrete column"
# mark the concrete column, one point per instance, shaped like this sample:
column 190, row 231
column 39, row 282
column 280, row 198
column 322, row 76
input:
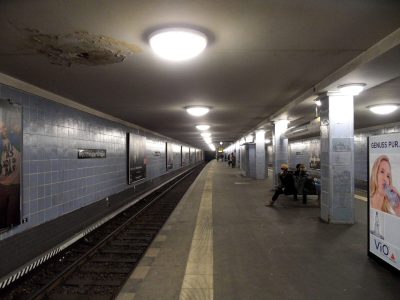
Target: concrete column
column 280, row 146
column 260, row 154
column 337, row 158
column 268, row 156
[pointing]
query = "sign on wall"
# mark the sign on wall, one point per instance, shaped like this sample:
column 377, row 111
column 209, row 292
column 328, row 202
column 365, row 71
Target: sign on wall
column 10, row 163
column 136, row 157
column 91, row 153
column 384, row 198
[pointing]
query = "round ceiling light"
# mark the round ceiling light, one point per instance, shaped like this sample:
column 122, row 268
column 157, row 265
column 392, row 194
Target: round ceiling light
column 202, row 127
column 383, row 109
column 197, row 111
column 177, row 44
column 352, row 88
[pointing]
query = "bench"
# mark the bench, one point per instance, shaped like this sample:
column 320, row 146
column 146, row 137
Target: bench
column 307, row 185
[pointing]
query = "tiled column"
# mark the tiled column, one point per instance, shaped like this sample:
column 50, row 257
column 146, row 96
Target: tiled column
column 280, row 146
column 266, row 159
column 260, row 154
column 237, row 154
column 337, row 158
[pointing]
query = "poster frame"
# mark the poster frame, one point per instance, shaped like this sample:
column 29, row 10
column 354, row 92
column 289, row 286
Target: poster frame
column 129, row 136
column 19, row 213
column 370, row 254
column 169, row 156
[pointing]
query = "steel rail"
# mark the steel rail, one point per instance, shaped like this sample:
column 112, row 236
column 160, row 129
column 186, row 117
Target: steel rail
column 42, row 292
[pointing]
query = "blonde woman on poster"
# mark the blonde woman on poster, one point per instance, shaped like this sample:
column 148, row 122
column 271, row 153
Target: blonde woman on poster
column 10, row 158
column 10, row 161
column 384, row 196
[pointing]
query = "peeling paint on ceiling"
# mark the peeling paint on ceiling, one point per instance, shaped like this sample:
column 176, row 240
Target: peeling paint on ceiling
column 79, row 47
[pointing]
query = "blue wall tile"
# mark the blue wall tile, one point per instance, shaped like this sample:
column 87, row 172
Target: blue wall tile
column 54, row 181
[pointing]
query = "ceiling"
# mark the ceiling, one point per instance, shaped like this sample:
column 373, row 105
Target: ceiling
column 266, row 59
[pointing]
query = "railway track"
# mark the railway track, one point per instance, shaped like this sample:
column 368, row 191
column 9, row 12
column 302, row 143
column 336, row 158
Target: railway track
column 97, row 266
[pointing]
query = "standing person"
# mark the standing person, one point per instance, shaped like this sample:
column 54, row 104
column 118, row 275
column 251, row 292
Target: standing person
column 286, row 185
column 229, row 159
column 233, row 158
column 384, row 196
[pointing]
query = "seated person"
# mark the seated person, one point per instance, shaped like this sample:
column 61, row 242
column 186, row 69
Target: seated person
column 297, row 172
column 303, row 182
column 286, row 185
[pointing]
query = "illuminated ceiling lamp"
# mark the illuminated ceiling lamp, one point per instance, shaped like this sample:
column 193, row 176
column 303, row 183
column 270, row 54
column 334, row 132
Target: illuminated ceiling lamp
column 177, row 44
column 202, row 127
column 352, row 89
column 383, row 109
column 197, row 111
column 249, row 138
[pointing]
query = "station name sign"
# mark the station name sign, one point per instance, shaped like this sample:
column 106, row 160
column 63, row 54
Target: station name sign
column 91, row 153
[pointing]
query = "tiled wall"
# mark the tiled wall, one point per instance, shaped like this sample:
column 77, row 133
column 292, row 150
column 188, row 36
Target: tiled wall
column 301, row 152
column 54, row 181
column 270, row 155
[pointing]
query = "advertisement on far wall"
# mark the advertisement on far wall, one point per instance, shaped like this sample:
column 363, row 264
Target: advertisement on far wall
column 192, row 156
column 384, row 198
column 315, row 150
column 10, row 163
column 136, row 157
column 185, row 156
column 169, row 157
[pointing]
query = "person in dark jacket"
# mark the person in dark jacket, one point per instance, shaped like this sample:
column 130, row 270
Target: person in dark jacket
column 286, row 185
column 233, row 158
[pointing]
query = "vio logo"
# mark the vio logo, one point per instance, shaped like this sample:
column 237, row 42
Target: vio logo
column 381, row 247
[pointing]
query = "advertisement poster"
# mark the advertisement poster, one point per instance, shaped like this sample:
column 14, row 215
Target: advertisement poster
column 384, row 198
column 191, row 156
column 185, row 156
column 169, row 156
column 315, row 158
column 136, row 157
column 199, row 155
column 10, row 164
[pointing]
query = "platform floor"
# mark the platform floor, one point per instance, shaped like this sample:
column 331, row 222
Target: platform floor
column 222, row 242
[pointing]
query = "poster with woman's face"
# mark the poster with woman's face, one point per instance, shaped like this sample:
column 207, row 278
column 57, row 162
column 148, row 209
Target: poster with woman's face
column 10, row 163
column 384, row 197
